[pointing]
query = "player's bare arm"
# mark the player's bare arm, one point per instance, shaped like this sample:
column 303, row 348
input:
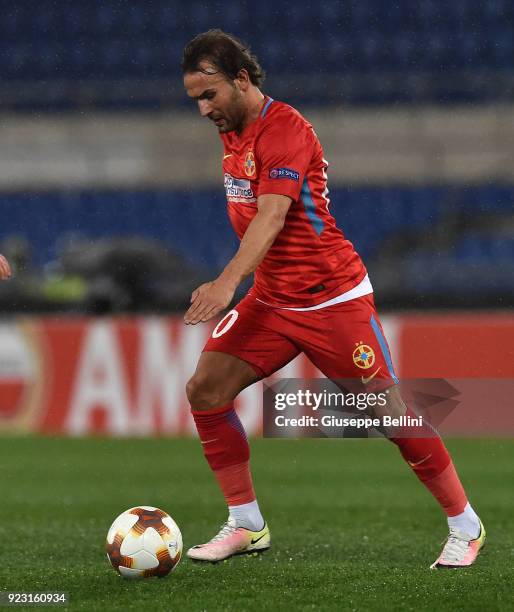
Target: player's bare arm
column 213, row 297
column 5, row 268
column 258, row 238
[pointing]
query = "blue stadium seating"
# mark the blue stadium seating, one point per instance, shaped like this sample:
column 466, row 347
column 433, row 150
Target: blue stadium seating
column 479, row 248
column 45, row 41
column 195, row 225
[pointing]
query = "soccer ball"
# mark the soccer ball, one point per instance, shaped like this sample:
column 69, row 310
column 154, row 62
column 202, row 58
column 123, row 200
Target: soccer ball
column 144, row 541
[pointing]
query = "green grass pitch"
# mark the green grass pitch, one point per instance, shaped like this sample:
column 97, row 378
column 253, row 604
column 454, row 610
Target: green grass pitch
column 351, row 527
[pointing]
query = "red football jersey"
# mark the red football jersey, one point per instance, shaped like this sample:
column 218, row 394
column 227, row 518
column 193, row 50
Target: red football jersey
column 310, row 260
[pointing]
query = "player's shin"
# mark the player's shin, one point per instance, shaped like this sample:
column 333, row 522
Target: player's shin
column 226, row 449
column 430, row 461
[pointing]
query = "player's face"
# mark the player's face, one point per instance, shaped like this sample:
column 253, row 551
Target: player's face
column 220, row 100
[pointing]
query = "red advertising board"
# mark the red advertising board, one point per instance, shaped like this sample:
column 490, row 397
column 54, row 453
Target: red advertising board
column 126, row 376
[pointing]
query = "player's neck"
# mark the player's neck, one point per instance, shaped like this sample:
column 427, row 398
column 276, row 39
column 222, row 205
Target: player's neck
column 255, row 103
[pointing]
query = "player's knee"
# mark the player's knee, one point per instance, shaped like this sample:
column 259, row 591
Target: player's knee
column 204, row 393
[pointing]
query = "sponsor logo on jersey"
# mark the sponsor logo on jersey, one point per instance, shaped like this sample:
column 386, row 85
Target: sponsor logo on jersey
column 363, row 356
column 284, row 173
column 249, row 165
column 238, row 189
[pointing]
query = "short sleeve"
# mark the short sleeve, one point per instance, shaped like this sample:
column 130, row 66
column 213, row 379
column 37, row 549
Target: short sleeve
column 284, row 151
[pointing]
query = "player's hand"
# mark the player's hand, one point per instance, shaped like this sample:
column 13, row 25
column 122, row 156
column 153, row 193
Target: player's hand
column 5, row 268
column 208, row 300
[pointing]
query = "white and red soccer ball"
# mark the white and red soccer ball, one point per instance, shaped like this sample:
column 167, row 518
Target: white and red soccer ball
column 143, row 542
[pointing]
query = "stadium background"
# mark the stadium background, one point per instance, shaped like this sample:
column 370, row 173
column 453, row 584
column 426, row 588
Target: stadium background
column 112, row 203
column 112, row 210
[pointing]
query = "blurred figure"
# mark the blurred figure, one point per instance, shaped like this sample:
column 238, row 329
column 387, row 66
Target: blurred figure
column 5, row 268
column 18, row 251
column 129, row 275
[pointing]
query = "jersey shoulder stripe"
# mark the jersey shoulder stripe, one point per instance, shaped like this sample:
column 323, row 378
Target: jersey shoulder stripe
column 266, row 106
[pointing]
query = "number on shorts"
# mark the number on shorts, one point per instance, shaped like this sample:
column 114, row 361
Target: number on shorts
column 230, row 318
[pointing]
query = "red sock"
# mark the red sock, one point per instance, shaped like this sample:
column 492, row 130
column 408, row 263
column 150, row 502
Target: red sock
column 432, row 464
column 226, row 449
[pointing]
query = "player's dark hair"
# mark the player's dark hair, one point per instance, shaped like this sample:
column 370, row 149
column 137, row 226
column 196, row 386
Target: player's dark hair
column 225, row 52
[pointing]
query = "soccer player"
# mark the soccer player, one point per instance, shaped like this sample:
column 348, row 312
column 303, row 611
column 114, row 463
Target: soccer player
column 311, row 294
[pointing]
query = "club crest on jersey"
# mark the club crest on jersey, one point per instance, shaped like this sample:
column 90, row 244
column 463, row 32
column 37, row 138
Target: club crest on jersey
column 249, row 165
column 363, row 356
column 284, row 173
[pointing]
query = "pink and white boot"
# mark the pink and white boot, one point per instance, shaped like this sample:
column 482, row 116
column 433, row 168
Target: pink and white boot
column 230, row 541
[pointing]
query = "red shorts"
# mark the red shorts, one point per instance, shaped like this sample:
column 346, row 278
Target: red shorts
column 344, row 341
